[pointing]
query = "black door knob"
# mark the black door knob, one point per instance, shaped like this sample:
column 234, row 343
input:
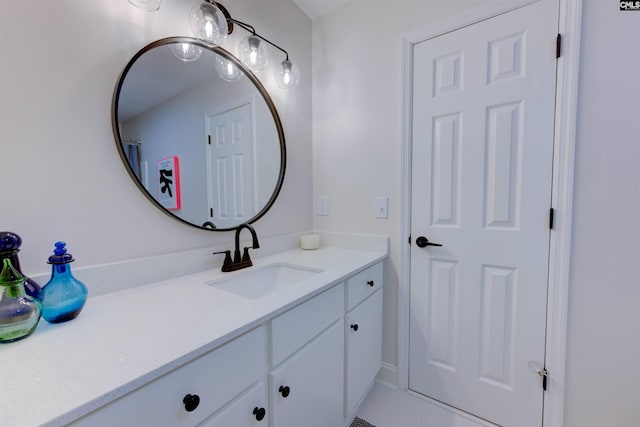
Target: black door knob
column 284, row 390
column 371, row 283
column 191, row 402
column 354, row 327
column 423, row 242
column 259, row 413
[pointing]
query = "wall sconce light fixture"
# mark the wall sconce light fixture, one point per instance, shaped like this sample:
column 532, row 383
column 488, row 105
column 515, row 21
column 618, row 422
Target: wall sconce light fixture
column 211, row 22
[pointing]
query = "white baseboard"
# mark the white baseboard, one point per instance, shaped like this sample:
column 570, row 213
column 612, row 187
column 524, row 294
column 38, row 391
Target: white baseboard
column 388, row 375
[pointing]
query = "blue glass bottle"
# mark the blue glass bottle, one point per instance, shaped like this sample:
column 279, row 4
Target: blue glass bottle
column 64, row 295
column 19, row 313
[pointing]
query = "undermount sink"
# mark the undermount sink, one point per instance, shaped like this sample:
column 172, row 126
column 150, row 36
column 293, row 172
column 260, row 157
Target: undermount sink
column 259, row 281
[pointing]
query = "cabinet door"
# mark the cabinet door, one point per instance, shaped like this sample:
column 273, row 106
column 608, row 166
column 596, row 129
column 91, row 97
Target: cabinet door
column 248, row 410
column 364, row 348
column 315, row 379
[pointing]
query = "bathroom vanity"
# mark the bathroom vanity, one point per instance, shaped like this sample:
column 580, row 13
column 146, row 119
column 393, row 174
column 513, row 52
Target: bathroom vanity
column 294, row 340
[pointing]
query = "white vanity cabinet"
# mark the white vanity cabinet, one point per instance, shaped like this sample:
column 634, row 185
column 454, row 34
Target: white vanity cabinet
column 363, row 332
column 193, row 392
column 308, row 366
column 306, row 383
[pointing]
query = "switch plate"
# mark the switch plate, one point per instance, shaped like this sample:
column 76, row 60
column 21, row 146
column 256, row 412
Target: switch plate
column 382, row 207
column 323, row 205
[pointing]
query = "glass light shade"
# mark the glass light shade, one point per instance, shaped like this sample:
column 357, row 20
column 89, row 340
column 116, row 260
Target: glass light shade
column 208, row 23
column 289, row 75
column 186, row 52
column 148, row 5
column 227, row 70
column 253, row 53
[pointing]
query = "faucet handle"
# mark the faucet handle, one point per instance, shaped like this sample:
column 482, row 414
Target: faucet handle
column 245, row 254
column 227, row 257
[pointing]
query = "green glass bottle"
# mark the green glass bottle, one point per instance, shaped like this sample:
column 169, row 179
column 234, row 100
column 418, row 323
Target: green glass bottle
column 19, row 313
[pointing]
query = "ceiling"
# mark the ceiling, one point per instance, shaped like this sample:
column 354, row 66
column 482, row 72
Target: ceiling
column 317, row 8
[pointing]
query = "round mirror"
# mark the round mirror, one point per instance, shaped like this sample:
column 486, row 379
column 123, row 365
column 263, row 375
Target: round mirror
column 199, row 134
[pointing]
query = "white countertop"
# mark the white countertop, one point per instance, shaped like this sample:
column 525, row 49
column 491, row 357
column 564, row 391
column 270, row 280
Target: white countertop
column 123, row 340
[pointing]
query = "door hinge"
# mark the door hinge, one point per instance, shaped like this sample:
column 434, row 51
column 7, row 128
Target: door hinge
column 544, row 375
column 558, row 45
column 409, row 240
column 551, row 214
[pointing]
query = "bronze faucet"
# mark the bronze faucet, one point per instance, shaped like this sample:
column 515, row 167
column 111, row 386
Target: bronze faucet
column 238, row 261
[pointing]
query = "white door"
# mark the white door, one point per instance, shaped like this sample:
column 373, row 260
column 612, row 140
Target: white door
column 231, row 169
column 483, row 119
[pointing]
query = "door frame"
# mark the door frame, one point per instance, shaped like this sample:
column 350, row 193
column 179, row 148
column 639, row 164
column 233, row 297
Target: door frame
column 569, row 25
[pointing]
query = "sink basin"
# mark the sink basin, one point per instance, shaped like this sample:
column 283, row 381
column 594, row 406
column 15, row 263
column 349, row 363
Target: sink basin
column 256, row 282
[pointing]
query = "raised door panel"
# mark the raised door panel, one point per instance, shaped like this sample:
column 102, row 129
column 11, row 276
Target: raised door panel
column 217, row 378
column 364, row 348
column 315, row 378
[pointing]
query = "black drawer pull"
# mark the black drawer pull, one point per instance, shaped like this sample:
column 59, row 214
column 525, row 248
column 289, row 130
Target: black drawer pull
column 371, row 283
column 191, row 402
column 259, row 413
column 285, row 390
column 355, row 327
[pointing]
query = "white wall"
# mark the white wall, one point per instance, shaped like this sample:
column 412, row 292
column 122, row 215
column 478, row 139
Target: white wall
column 603, row 370
column 357, row 122
column 357, row 63
column 60, row 175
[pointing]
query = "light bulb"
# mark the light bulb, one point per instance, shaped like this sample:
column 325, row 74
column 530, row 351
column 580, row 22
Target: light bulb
column 227, row 70
column 253, row 53
column 186, row 52
column 289, row 75
column 208, row 23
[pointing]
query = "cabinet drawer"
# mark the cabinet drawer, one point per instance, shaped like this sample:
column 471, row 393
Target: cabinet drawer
column 216, row 377
column 240, row 412
column 363, row 284
column 296, row 327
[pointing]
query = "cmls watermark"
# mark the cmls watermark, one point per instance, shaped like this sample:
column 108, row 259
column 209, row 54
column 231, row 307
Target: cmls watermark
column 629, row 5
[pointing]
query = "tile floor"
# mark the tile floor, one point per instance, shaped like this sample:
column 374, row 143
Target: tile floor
column 387, row 407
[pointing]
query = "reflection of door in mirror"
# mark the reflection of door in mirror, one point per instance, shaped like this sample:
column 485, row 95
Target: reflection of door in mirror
column 230, row 166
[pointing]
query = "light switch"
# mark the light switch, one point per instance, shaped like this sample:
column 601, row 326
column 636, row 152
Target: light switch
column 382, row 207
column 323, row 205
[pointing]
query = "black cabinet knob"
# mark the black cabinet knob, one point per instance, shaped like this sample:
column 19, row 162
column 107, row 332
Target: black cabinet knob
column 285, row 390
column 259, row 413
column 191, row 402
column 371, row 283
column 354, row 327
